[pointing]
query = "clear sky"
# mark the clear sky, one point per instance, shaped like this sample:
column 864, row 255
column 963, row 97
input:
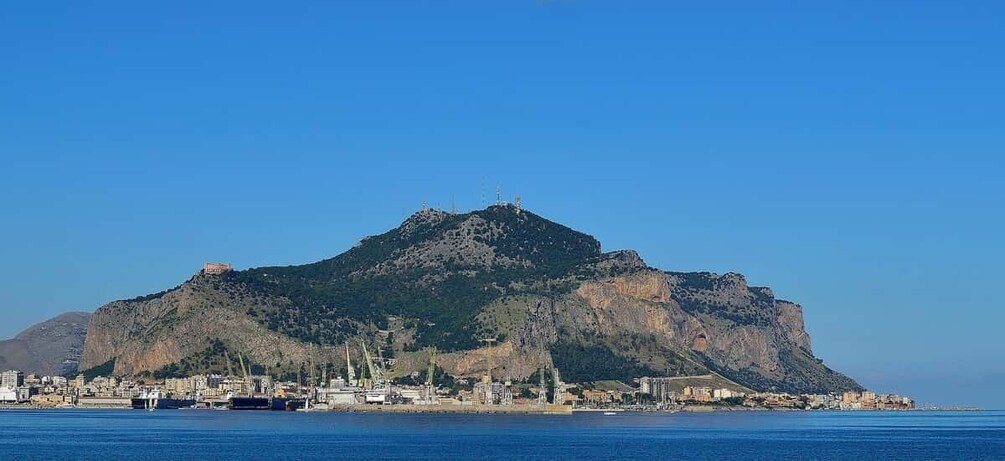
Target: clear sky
column 847, row 154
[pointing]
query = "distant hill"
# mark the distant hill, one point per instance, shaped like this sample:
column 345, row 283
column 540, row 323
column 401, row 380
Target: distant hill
column 544, row 294
column 52, row 347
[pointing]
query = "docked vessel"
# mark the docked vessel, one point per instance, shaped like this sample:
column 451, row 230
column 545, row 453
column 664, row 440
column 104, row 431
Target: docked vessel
column 249, row 403
column 287, row 404
column 152, row 400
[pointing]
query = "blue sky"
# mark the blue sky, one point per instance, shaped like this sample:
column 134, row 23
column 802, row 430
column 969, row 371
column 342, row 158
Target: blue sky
column 848, row 155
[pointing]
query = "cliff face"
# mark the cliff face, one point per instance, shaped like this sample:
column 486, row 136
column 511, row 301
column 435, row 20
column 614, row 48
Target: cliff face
column 149, row 334
column 741, row 332
column 546, row 293
column 52, row 347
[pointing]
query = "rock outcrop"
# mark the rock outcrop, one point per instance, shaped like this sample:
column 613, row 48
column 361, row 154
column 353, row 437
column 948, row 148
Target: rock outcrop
column 150, row 333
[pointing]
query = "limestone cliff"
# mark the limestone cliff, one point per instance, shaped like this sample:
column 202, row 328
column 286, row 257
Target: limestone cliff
column 149, row 333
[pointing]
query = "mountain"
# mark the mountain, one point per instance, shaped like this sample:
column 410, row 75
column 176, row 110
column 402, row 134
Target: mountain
column 499, row 288
column 52, row 347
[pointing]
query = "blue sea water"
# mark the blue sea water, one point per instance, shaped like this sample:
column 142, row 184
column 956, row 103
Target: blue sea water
column 219, row 435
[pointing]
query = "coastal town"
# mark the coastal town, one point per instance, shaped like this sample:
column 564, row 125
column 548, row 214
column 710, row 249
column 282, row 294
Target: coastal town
column 548, row 395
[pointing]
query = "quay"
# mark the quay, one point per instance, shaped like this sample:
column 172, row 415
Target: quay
column 516, row 409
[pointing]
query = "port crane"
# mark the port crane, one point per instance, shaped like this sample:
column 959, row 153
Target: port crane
column 351, row 373
column 379, row 390
column 430, row 382
column 375, row 375
column 246, row 388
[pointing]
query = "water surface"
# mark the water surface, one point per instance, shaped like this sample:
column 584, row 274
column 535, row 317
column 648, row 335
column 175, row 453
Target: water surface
column 194, row 434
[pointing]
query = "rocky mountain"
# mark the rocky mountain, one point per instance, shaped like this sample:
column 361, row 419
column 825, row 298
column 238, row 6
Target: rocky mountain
column 500, row 287
column 52, row 347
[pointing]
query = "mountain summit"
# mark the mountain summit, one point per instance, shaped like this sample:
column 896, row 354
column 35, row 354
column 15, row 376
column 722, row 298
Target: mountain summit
column 52, row 347
column 498, row 288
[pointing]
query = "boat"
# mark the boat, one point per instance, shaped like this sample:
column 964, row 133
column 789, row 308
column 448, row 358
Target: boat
column 152, row 400
column 610, row 413
column 287, row 404
column 249, row 403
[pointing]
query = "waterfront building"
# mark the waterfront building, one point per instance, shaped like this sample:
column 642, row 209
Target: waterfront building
column 724, row 393
column 24, row 393
column 214, row 381
column 700, row 394
column 489, row 392
column 662, row 389
column 11, row 379
column 51, row 400
column 8, row 394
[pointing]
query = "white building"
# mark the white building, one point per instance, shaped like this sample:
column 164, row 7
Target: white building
column 8, row 395
column 11, row 379
column 724, row 393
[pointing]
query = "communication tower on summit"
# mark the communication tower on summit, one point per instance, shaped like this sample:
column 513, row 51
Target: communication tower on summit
column 498, row 195
column 519, row 203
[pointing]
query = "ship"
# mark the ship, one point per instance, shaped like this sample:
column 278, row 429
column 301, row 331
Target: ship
column 152, row 400
column 287, row 404
column 249, row 403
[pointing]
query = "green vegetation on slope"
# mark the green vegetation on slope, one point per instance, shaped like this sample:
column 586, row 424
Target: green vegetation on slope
column 694, row 292
column 582, row 363
column 803, row 374
column 212, row 359
column 105, row 369
column 330, row 299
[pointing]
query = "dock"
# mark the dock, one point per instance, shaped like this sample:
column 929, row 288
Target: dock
column 517, row 409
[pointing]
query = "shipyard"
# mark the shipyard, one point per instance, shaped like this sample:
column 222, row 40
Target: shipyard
column 370, row 389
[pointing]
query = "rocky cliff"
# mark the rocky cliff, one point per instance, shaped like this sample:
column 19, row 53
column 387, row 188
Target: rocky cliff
column 52, row 347
column 545, row 294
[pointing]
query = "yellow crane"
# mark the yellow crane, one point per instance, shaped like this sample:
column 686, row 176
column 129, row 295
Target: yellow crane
column 247, row 387
column 432, row 368
column 374, row 374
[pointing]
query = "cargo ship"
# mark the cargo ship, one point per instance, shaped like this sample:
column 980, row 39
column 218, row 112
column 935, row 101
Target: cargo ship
column 287, row 404
column 152, row 400
column 249, row 403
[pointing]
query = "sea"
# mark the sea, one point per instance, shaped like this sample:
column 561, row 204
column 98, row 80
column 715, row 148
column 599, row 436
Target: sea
column 223, row 435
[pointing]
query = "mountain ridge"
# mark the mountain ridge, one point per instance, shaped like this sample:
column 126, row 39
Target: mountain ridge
column 50, row 347
column 546, row 293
